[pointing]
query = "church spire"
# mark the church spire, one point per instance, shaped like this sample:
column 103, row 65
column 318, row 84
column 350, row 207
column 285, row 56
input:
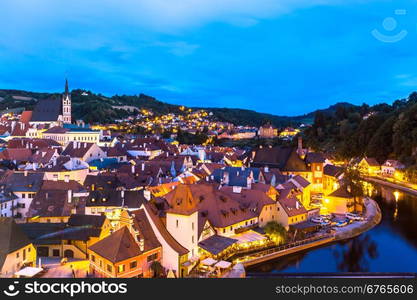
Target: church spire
column 66, row 86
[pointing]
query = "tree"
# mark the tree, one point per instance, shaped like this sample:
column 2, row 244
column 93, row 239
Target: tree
column 276, row 232
column 352, row 181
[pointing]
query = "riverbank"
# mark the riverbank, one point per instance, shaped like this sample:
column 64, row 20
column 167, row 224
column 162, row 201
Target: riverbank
column 372, row 218
column 392, row 185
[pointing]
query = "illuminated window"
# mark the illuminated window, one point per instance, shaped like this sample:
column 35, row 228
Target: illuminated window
column 121, row 268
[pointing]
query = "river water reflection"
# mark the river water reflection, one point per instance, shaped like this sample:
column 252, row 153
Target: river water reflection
column 389, row 247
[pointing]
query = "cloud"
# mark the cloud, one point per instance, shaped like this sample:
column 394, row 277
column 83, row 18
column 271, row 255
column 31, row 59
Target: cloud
column 160, row 15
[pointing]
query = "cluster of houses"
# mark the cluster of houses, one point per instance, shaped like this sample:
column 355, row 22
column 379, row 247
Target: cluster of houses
column 129, row 203
column 371, row 167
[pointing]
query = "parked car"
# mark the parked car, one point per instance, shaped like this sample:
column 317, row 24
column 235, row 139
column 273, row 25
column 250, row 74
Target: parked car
column 317, row 220
column 317, row 196
column 354, row 217
column 325, row 223
column 327, row 216
column 342, row 223
column 316, row 204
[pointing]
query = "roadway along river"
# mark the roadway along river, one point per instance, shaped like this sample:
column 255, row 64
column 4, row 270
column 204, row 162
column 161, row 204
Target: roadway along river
column 391, row 246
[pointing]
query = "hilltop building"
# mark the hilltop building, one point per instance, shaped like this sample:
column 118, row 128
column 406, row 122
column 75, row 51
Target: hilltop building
column 267, row 131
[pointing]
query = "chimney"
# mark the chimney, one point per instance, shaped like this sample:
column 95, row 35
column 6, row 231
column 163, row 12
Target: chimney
column 300, row 144
column 226, row 177
column 46, row 195
column 122, row 194
column 143, row 167
column 25, row 173
column 133, row 169
column 66, row 179
column 69, row 196
column 266, row 169
column 147, row 194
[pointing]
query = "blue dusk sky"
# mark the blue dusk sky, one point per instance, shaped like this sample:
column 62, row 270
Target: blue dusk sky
column 285, row 57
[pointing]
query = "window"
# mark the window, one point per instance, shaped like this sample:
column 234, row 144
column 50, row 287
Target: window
column 177, row 223
column 23, row 196
column 152, row 257
column 109, row 268
column 192, row 225
column 133, row 265
column 121, row 268
column 192, row 239
column 17, row 254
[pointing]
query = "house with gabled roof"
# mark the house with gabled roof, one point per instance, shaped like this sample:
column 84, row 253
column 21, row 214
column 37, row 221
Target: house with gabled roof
column 70, row 239
column 332, row 176
column 340, row 201
column 369, row 166
column 290, row 209
column 22, row 188
column 129, row 251
column 285, row 159
column 84, row 151
column 16, row 250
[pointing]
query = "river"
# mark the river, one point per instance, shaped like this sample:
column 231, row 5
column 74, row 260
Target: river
column 391, row 246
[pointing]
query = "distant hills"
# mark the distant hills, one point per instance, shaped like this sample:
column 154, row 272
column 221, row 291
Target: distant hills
column 94, row 108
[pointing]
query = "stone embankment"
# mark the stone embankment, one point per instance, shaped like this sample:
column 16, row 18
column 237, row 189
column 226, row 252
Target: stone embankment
column 372, row 218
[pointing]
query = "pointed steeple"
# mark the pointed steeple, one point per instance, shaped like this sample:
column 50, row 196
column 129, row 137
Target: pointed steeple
column 66, row 86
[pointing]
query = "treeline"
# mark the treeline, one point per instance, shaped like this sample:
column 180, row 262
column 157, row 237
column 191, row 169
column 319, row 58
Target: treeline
column 382, row 131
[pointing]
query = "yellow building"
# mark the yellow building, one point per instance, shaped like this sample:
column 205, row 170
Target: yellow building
column 369, row 166
column 63, row 135
column 340, row 201
column 16, row 250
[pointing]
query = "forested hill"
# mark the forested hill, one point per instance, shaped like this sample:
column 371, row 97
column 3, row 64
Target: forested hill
column 94, row 108
column 381, row 131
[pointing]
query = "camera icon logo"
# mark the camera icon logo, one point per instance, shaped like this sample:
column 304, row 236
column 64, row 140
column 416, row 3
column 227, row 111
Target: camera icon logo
column 390, row 24
column 11, row 290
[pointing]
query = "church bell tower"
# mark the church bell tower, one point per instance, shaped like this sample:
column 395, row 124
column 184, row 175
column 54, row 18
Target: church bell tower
column 66, row 105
